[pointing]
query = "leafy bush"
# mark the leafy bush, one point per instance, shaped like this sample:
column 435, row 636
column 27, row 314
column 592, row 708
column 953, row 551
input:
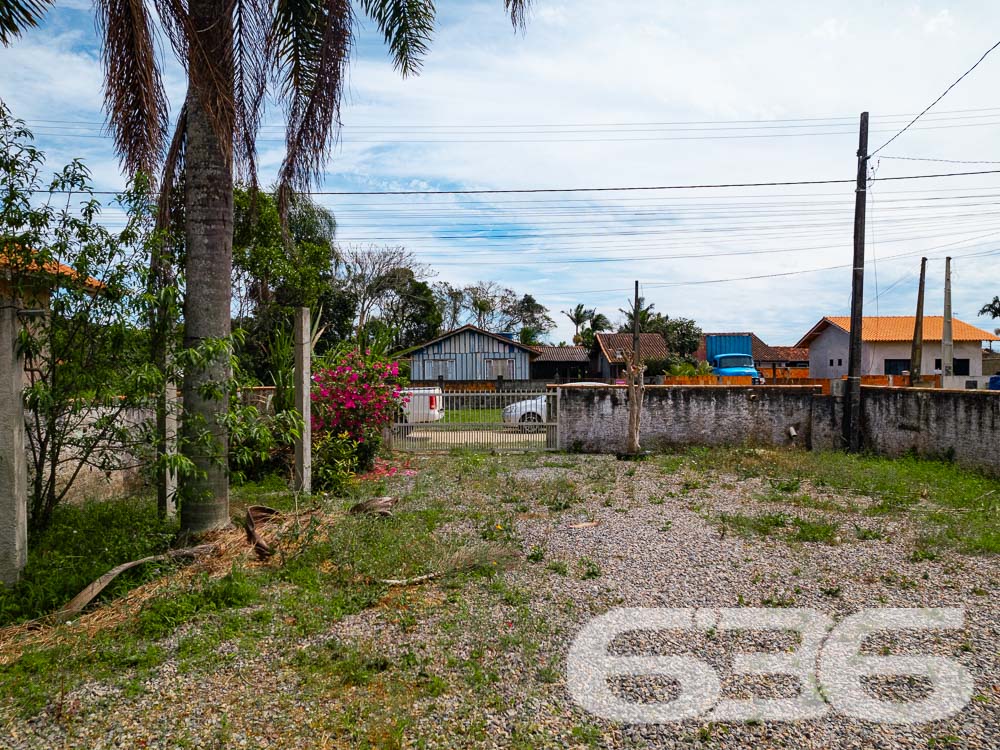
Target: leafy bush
column 335, row 461
column 82, row 543
column 356, row 394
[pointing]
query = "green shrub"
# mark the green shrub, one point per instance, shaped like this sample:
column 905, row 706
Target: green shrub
column 82, row 543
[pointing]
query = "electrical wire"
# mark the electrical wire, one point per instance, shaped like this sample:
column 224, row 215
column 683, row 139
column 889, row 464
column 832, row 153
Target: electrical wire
column 942, row 96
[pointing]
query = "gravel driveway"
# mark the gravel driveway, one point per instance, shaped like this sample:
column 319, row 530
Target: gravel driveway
column 481, row 662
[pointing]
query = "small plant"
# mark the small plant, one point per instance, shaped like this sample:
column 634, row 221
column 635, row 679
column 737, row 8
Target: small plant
column 558, row 567
column 923, row 554
column 666, row 526
column 588, row 568
column 536, row 555
column 831, row 591
column 786, row 486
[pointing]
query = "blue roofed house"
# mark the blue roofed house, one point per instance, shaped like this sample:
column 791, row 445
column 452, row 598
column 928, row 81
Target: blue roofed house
column 471, row 354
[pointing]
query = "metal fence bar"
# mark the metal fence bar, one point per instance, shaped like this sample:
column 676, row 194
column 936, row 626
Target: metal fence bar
column 505, row 418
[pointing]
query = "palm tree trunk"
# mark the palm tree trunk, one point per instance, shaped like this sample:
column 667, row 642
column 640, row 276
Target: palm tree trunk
column 208, row 204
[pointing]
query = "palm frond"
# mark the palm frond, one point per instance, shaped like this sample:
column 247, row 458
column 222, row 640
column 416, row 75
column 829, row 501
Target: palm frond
column 518, row 11
column 407, row 26
column 134, row 98
column 18, row 15
column 173, row 170
column 251, row 51
column 313, row 44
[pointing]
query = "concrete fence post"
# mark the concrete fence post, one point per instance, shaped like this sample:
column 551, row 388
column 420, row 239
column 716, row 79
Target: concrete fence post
column 303, row 402
column 169, row 477
column 13, row 458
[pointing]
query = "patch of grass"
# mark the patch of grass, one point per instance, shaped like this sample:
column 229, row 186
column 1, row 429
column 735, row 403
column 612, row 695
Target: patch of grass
column 669, row 463
column 82, row 543
column 558, row 494
column 814, row 531
column 161, row 616
column 759, row 525
column 348, row 665
column 536, row 555
column 866, row 534
column 961, row 506
column 558, row 567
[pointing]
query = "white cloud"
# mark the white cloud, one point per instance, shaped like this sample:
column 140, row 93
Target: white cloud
column 591, row 61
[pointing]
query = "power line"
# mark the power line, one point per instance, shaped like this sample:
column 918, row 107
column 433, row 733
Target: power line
column 707, row 186
column 943, row 94
column 942, row 161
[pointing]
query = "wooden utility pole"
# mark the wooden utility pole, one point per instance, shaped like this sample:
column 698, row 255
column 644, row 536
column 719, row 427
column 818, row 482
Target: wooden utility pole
column 635, row 327
column 852, row 400
column 917, row 350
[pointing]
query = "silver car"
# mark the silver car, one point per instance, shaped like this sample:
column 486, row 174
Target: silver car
column 530, row 413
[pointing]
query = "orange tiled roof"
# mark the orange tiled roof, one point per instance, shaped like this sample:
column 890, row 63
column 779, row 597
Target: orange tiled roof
column 53, row 268
column 900, row 328
column 651, row 346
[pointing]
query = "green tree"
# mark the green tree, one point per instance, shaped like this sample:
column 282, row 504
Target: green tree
column 231, row 50
column 645, row 315
column 992, row 308
column 578, row 316
column 86, row 363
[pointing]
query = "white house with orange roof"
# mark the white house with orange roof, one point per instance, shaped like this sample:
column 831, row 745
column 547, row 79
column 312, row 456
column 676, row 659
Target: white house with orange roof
column 886, row 344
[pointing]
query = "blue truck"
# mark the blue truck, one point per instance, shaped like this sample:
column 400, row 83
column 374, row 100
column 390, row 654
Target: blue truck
column 731, row 355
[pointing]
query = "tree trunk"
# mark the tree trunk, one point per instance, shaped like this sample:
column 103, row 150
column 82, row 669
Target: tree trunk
column 208, row 205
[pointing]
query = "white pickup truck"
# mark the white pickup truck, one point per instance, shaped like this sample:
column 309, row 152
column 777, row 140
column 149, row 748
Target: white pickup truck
column 422, row 405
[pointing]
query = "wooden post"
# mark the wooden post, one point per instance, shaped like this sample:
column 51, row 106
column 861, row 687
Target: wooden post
column 303, row 401
column 13, row 458
column 917, row 348
column 852, row 399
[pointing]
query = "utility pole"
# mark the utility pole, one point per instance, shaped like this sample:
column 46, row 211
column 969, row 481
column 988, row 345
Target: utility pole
column 635, row 327
column 917, row 350
column 947, row 339
column 634, row 383
column 852, row 400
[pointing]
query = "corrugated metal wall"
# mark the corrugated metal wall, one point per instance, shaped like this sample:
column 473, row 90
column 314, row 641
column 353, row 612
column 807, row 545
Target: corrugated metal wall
column 466, row 356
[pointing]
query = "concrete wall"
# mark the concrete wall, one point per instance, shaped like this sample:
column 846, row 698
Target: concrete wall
column 935, row 423
column 963, row 425
column 595, row 418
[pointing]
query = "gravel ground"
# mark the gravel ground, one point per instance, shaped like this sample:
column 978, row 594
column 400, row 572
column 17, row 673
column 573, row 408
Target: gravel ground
column 634, row 536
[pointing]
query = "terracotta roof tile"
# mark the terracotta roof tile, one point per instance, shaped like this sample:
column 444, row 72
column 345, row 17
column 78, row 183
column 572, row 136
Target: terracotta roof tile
column 900, row 328
column 562, row 354
column 651, row 346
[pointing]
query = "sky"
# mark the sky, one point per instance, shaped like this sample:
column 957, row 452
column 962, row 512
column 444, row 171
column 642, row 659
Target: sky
column 648, row 93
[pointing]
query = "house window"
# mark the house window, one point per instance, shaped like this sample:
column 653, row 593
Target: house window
column 439, row 368
column 896, row 366
column 961, row 366
column 840, row 363
column 831, row 363
column 500, row 368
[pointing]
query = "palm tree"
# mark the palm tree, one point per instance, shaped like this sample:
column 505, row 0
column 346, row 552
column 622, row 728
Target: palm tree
column 645, row 314
column 231, row 50
column 578, row 316
column 600, row 323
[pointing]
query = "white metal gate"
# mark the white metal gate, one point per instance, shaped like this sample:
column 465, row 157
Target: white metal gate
column 523, row 420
